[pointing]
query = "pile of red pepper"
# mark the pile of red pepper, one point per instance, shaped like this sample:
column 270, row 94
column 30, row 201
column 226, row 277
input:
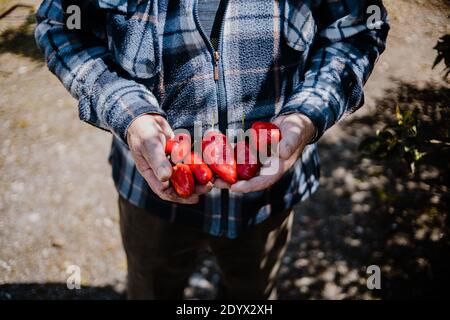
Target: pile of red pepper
column 219, row 157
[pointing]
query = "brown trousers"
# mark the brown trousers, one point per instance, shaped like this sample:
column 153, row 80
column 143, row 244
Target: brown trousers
column 162, row 255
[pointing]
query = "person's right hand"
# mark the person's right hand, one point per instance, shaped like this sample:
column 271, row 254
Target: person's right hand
column 146, row 139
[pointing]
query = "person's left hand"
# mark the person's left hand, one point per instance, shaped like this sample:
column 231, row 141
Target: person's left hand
column 297, row 130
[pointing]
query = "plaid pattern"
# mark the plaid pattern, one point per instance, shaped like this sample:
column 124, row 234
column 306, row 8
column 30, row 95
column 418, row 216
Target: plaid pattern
column 207, row 10
column 277, row 57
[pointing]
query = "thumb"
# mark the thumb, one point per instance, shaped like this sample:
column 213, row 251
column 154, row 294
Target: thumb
column 165, row 127
column 155, row 156
column 288, row 145
column 290, row 140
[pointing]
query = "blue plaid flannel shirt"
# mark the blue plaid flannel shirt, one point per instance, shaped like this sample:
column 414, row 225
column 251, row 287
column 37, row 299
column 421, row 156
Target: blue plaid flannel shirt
column 132, row 57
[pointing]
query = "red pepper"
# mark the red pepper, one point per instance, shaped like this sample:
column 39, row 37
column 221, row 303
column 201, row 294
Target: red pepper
column 182, row 180
column 247, row 164
column 272, row 132
column 169, row 145
column 218, row 154
column 179, row 147
column 201, row 171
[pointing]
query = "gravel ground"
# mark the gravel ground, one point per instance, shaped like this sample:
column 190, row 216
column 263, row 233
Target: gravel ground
column 58, row 204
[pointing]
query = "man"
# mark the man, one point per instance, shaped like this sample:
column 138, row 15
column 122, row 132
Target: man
column 142, row 68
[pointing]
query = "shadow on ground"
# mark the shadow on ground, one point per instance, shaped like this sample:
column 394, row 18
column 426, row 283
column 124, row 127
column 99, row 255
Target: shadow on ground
column 20, row 40
column 50, row 291
column 368, row 213
column 365, row 213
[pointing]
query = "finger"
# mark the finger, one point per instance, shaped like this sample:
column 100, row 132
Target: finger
column 155, row 156
column 270, row 172
column 158, row 187
column 290, row 141
column 288, row 145
column 257, row 183
column 165, row 127
column 202, row 189
column 147, row 173
column 170, row 195
column 279, row 120
column 164, row 191
column 220, row 184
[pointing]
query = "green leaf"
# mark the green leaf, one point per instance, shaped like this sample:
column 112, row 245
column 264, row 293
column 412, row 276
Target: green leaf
column 412, row 131
column 418, row 155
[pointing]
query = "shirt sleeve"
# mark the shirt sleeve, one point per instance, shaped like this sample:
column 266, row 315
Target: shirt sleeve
column 108, row 98
column 349, row 43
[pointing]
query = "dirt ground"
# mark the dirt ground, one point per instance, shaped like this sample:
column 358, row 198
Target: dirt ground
column 58, row 205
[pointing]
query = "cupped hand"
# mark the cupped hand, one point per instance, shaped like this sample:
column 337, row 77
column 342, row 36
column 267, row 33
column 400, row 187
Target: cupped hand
column 146, row 139
column 297, row 130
